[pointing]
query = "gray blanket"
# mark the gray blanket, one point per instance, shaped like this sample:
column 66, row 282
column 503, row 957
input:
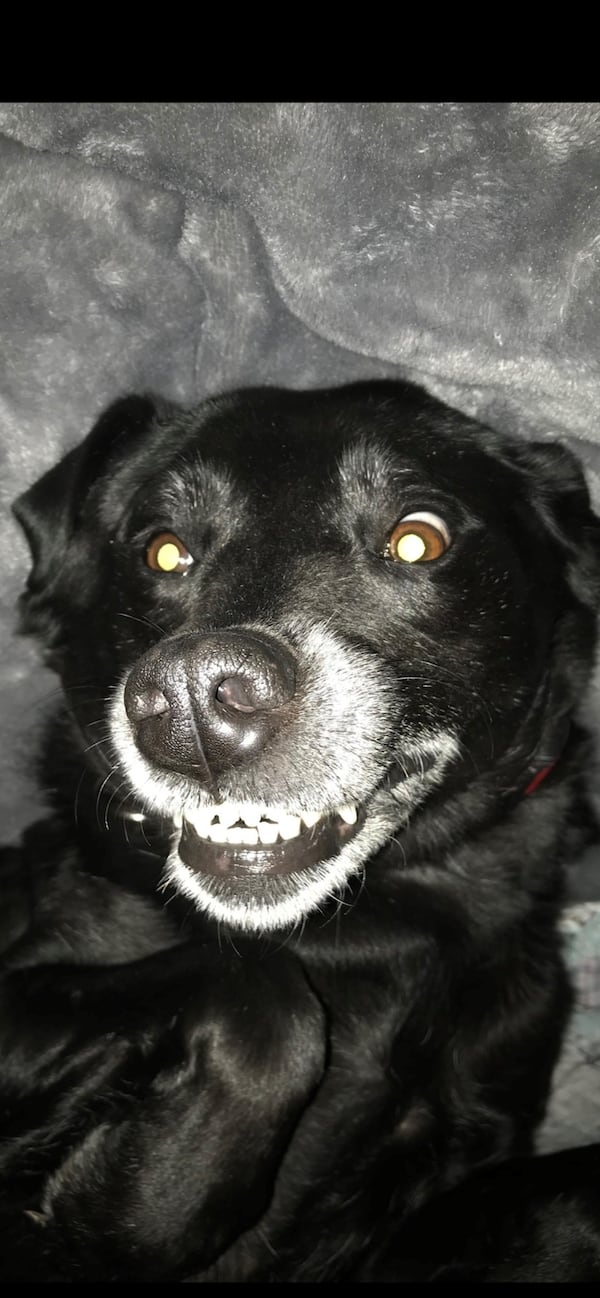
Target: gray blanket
column 190, row 248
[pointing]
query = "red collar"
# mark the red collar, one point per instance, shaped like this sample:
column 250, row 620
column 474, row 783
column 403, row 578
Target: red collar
column 538, row 779
column 548, row 754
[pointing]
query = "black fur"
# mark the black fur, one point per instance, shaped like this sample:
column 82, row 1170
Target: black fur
column 187, row 1098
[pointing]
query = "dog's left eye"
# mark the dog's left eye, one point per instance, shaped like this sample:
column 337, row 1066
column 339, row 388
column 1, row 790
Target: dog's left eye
column 166, row 553
column 418, row 538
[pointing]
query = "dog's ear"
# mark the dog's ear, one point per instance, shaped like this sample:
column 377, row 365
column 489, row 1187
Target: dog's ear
column 558, row 496
column 50, row 510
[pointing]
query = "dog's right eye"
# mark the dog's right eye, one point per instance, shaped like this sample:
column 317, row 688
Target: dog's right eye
column 418, row 537
column 166, row 553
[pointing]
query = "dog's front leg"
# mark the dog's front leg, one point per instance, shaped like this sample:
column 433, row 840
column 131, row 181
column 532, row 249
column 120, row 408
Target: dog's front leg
column 189, row 1163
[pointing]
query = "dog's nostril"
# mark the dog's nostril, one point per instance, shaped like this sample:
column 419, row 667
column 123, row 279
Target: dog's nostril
column 141, row 704
column 234, row 692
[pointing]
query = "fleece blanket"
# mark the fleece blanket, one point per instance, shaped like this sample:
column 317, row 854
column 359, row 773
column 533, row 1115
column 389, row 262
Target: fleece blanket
column 191, row 248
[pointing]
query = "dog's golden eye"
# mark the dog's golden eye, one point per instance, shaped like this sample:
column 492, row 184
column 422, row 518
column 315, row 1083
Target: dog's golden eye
column 418, row 538
column 166, row 553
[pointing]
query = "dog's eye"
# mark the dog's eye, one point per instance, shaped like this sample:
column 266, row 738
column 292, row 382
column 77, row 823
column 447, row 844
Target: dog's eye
column 166, row 553
column 418, row 537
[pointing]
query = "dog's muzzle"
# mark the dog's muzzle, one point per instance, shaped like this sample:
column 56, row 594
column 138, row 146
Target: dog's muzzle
column 202, row 705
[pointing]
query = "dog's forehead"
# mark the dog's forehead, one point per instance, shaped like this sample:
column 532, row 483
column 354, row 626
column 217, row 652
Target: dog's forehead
column 323, row 446
column 281, row 482
column 355, row 462
column 284, row 457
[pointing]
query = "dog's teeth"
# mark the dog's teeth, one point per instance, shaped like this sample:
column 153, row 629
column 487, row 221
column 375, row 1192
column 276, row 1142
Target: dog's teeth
column 201, row 820
column 242, row 823
column 289, row 826
column 234, row 836
column 217, row 833
column 228, row 814
column 239, row 837
column 349, row 813
column 177, row 819
column 250, row 815
column 267, row 832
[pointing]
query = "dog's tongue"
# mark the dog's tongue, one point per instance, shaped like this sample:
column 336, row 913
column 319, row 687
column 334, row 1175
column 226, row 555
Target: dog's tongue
column 320, row 843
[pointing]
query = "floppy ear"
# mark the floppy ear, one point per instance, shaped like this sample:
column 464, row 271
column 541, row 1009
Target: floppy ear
column 560, row 498
column 50, row 510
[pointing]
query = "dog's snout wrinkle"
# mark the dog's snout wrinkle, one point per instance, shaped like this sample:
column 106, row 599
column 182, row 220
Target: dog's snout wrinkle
column 200, row 704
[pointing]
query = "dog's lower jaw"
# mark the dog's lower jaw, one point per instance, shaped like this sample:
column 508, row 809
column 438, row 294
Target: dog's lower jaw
column 262, row 904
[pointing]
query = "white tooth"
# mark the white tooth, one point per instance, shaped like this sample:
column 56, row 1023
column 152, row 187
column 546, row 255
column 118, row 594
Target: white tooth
column 250, row 814
column 267, row 832
column 289, row 826
column 217, row 833
column 233, row 835
column 177, row 819
column 200, row 820
column 229, row 813
column 242, row 837
column 310, row 818
column 349, row 814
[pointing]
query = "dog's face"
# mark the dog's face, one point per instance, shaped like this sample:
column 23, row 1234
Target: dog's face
column 307, row 612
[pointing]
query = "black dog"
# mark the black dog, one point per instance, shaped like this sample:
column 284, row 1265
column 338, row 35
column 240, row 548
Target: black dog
column 281, row 968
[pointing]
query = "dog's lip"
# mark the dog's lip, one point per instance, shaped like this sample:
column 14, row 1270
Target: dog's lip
column 319, row 843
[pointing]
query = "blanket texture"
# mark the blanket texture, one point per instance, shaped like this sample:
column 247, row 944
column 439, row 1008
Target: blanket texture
column 191, row 248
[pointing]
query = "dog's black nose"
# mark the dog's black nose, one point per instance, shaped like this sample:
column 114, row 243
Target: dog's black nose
column 199, row 704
